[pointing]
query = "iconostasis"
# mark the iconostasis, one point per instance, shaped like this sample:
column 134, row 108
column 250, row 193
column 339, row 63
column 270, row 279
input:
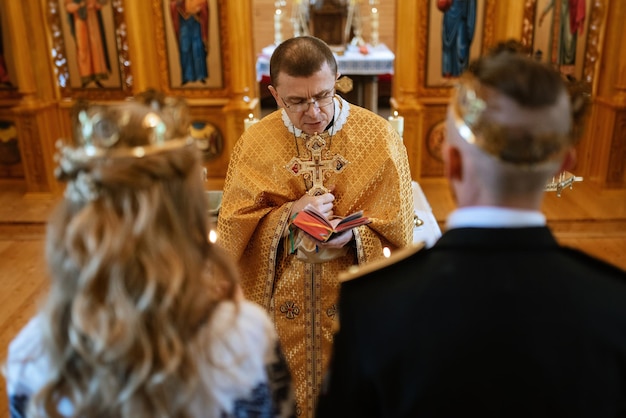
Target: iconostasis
column 138, row 45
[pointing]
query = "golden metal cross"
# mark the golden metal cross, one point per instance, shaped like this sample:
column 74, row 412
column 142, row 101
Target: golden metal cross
column 316, row 169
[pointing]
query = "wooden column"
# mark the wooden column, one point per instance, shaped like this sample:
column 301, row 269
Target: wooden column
column 410, row 27
column 144, row 54
column 602, row 155
column 20, row 44
column 244, row 98
column 33, row 111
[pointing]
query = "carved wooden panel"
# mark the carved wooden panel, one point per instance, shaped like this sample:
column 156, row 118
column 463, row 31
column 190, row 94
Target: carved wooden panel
column 10, row 156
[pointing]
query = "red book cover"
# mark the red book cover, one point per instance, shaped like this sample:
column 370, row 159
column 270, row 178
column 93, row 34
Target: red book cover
column 315, row 224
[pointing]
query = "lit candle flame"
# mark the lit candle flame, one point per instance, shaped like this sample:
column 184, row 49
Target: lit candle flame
column 212, row 236
column 386, row 252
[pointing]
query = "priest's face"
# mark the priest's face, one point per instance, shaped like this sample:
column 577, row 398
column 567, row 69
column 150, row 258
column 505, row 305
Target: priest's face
column 307, row 100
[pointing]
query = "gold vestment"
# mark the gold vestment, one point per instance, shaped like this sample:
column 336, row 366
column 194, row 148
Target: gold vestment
column 254, row 221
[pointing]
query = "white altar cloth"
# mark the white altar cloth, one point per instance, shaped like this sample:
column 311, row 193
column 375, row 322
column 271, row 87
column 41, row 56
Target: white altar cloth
column 429, row 232
column 378, row 60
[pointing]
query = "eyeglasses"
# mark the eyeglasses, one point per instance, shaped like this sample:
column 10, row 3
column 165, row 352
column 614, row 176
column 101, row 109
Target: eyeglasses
column 303, row 105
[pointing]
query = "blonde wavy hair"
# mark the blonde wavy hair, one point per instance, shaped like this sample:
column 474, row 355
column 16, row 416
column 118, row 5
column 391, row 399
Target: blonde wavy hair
column 134, row 278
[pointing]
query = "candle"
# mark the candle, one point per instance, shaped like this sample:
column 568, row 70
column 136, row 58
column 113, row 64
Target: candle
column 295, row 18
column 278, row 36
column 397, row 122
column 374, row 34
column 249, row 121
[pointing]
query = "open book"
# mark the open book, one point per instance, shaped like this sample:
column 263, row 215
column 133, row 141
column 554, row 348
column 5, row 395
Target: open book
column 315, row 224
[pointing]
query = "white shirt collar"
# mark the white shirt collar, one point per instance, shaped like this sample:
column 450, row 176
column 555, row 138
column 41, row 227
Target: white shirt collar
column 494, row 217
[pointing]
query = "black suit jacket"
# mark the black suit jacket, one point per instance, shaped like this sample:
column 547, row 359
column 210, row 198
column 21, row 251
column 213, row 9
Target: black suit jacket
column 487, row 323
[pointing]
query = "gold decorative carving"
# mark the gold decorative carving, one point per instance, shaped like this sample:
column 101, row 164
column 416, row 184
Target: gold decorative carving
column 344, row 84
column 121, row 35
column 528, row 26
column 592, row 49
column 489, row 25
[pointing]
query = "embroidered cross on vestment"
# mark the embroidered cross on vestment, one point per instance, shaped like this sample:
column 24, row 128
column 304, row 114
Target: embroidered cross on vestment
column 316, row 168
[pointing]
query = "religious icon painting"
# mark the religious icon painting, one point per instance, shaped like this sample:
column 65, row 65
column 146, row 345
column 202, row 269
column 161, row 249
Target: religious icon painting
column 87, row 34
column 455, row 32
column 562, row 30
column 209, row 139
column 435, row 140
column 192, row 33
column 431, row 160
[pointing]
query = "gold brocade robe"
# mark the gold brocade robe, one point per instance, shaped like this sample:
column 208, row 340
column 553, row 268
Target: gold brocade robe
column 254, row 220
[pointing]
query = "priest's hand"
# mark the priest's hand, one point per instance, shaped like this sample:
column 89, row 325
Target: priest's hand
column 323, row 203
column 339, row 241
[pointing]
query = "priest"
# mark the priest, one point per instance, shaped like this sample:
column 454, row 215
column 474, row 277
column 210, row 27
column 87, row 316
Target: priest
column 316, row 149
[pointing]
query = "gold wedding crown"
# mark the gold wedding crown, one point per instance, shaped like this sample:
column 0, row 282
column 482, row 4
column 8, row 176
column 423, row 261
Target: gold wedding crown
column 145, row 124
column 510, row 144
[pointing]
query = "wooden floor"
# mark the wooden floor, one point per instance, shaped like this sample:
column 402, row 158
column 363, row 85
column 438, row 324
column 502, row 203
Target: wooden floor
column 585, row 217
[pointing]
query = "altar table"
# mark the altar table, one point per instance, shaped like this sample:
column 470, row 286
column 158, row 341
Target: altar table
column 429, row 231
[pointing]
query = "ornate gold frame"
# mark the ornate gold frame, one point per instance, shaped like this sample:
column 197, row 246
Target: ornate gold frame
column 163, row 59
column 60, row 55
column 592, row 42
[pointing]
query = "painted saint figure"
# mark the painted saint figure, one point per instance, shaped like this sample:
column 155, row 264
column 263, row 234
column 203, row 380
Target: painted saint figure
column 457, row 32
column 87, row 27
column 190, row 19
column 571, row 23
